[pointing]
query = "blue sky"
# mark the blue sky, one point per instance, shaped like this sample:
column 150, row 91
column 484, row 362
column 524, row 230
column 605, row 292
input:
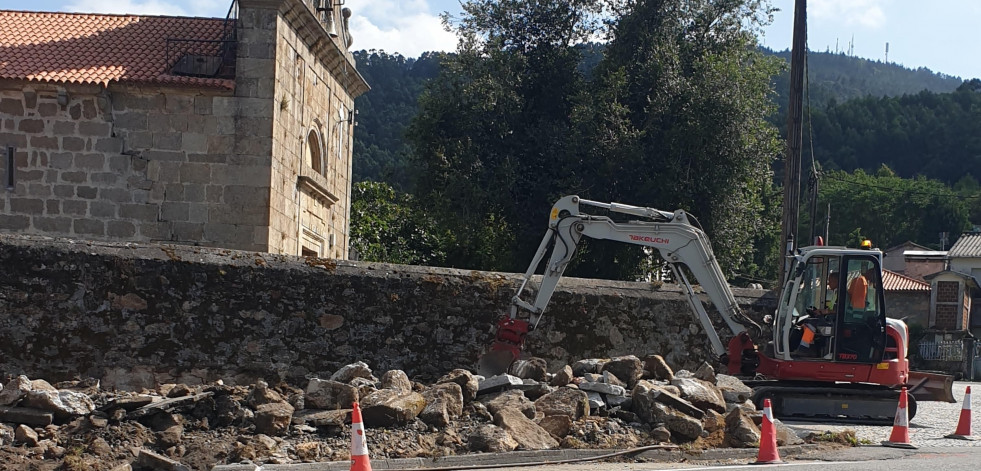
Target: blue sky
column 942, row 35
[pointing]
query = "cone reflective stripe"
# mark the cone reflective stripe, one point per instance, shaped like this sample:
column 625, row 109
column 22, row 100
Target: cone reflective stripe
column 963, row 431
column 359, row 443
column 900, row 427
column 768, row 453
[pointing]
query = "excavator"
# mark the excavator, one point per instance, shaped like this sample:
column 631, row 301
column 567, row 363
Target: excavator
column 831, row 357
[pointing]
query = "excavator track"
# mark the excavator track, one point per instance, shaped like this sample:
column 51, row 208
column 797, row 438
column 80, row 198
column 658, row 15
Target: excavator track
column 844, row 402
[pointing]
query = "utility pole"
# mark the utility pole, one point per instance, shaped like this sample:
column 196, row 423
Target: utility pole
column 791, row 178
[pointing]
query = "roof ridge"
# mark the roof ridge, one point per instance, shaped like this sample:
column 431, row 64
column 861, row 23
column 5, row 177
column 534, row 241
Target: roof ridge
column 117, row 15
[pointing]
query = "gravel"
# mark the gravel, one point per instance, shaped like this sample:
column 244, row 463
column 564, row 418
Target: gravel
column 933, row 421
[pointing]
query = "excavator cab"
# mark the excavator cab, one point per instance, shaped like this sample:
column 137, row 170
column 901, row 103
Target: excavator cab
column 832, row 309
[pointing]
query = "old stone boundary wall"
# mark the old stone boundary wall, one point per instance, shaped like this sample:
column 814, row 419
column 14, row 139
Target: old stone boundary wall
column 137, row 315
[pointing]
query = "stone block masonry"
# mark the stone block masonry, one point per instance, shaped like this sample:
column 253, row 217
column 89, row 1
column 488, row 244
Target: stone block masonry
column 135, row 315
column 130, row 164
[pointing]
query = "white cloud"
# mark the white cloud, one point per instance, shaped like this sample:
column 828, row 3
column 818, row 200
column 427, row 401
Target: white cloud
column 865, row 13
column 409, row 33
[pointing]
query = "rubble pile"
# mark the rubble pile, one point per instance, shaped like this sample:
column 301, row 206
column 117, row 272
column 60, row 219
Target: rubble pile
column 622, row 402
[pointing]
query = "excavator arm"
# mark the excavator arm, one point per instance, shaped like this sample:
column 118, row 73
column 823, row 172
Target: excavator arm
column 677, row 240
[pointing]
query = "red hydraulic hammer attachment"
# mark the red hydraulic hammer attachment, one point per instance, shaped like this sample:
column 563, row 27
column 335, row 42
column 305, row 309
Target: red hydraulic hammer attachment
column 506, row 347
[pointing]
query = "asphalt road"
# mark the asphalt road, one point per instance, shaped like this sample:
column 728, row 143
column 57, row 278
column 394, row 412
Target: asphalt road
column 933, row 421
column 865, row 458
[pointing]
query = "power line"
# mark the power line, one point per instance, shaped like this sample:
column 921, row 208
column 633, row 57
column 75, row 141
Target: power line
column 898, row 190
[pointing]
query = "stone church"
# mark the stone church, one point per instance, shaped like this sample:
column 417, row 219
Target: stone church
column 225, row 132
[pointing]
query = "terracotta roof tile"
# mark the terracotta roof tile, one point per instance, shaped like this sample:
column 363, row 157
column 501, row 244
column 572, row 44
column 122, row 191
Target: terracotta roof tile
column 99, row 49
column 892, row 281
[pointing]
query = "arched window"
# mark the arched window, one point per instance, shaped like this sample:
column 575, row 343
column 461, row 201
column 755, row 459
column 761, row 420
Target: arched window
column 314, row 152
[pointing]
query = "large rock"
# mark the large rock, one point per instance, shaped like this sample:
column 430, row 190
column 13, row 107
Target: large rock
column 785, row 434
column 273, row 418
column 627, row 368
column 713, row 421
column 15, row 390
column 647, row 393
column 354, row 370
column 528, row 434
column 610, row 378
column 556, row 425
column 658, row 368
column 388, row 407
column 467, row 381
column 513, row 400
column 262, row 394
column 329, row 394
column 444, row 402
column 564, row 401
column 26, row 435
column 741, row 432
column 562, row 377
column 397, row 380
column 532, row 368
column 733, row 390
column 321, row 418
column 702, row 394
column 63, row 404
column 589, row 365
column 706, row 373
column 682, row 426
column 491, row 439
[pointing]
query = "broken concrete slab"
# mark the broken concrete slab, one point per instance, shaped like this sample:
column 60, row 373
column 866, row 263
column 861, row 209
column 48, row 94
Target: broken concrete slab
column 322, row 418
column 167, row 405
column 498, row 383
column 603, row 388
column 25, row 415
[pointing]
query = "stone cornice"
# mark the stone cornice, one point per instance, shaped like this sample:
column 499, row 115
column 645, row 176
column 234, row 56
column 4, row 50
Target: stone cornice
column 328, row 49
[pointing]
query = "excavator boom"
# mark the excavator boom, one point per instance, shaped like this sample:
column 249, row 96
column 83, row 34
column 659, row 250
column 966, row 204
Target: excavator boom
column 823, row 357
column 677, row 240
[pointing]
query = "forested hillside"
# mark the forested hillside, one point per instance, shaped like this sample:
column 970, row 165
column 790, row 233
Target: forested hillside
column 840, row 78
column 381, row 152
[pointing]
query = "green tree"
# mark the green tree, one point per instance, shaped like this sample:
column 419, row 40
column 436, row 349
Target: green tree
column 386, row 226
column 889, row 209
column 492, row 139
column 678, row 120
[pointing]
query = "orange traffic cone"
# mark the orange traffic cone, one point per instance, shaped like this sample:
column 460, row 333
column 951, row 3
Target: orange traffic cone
column 963, row 431
column 900, row 427
column 768, row 453
column 359, row 443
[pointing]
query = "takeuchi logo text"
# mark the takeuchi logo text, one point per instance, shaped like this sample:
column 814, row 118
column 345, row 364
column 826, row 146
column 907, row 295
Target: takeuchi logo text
column 653, row 240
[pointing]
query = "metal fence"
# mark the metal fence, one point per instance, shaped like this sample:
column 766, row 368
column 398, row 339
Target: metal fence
column 945, row 350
